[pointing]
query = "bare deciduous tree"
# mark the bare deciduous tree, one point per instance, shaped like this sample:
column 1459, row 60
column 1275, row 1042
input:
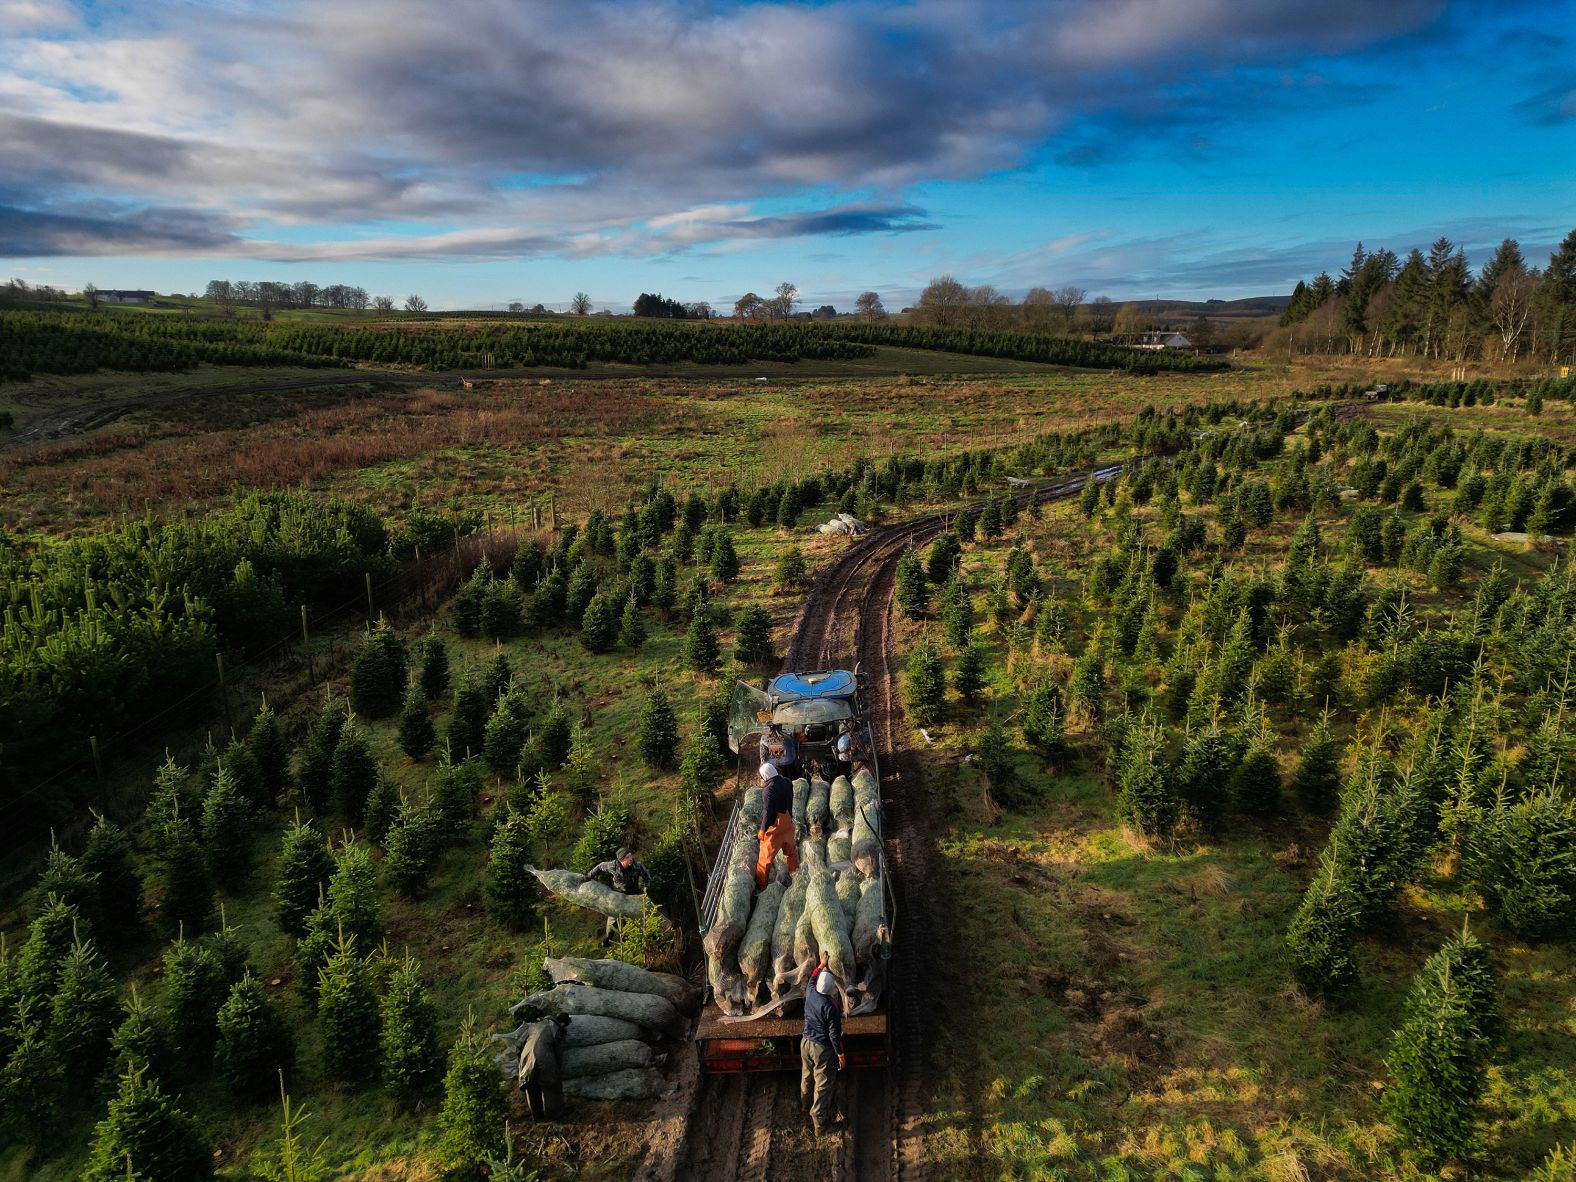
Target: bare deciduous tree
column 1510, row 307
column 90, row 293
column 781, row 305
column 869, row 305
column 581, row 304
column 749, row 306
column 357, row 298
column 1129, row 324
column 1039, row 309
column 414, row 303
column 987, row 307
column 1068, row 300
column 384, row 303
column 516, row 306
column 943, row 300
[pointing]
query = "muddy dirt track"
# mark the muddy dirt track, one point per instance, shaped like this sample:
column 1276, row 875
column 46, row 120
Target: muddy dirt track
column 748, row 1128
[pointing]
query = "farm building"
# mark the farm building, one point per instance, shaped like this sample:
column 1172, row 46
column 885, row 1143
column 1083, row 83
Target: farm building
column 1162, row 340
column 128, row 297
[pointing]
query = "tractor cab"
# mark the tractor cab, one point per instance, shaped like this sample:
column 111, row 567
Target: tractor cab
column 798, row 717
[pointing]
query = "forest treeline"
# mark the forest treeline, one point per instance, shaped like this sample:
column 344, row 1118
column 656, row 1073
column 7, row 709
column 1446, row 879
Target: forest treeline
column 1432, row 305
column 72, row 342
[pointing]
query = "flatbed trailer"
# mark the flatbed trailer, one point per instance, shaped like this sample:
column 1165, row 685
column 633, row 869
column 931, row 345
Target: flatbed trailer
column 739, row 1044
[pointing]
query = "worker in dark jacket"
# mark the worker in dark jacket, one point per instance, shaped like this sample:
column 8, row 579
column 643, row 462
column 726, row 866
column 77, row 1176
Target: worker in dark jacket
column 821, row 1050
column 776, row 832
column 628, row 875
column 540, row 1079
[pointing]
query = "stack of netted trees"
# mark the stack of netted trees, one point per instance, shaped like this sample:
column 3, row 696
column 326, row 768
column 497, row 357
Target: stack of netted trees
column 770, row 940
column 616, row 1013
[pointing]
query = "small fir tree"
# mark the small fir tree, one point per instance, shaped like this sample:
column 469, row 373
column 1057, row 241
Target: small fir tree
column 724, row 558
column 71, row 881
column 410, row 1057
column 505, row 735
column 1044, row 722
column 140, row 1043
column 196, row 983
column 434, row 676
column 237, row 760
column 1439, row 1054
column 347, row 1008
column 956, row 610
column 145, row 1135
column 417, row 735
column 631, row 626
column 1319, row 940
column 658, row 731
column 701, row 650
column 753, row 642
column 414, row 846
column 467, row 730
column 84, row 1012
column 383, row 808
column 925, row 685
column 508, row 888
column 108, row 857
column 354, row 776
column 968, row 676
column 377, row 681
column 181, row 875
column 1317, row 780
column 456, row 788
column 266, row 742
column 599, row 624
column 475, row 1106
column 791, row 571
column 255, row 1040
column 316, row 768
column 227, row 831
column 301, row 875
column 912, row 591
column 353, row 895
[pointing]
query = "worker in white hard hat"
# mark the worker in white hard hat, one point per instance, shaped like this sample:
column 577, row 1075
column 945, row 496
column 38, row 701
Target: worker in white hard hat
column 776, row 832
column 821, row 1054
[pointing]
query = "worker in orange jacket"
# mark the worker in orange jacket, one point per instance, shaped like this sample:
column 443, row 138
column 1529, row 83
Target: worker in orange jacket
column 776, row 824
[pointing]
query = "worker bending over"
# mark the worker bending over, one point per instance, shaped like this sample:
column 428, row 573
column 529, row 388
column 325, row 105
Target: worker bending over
column 821, row 1050
column 776, row 831
column 540, row 1078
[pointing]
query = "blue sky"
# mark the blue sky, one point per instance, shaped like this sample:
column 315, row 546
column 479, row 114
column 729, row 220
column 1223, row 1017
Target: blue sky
column 492, row 150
